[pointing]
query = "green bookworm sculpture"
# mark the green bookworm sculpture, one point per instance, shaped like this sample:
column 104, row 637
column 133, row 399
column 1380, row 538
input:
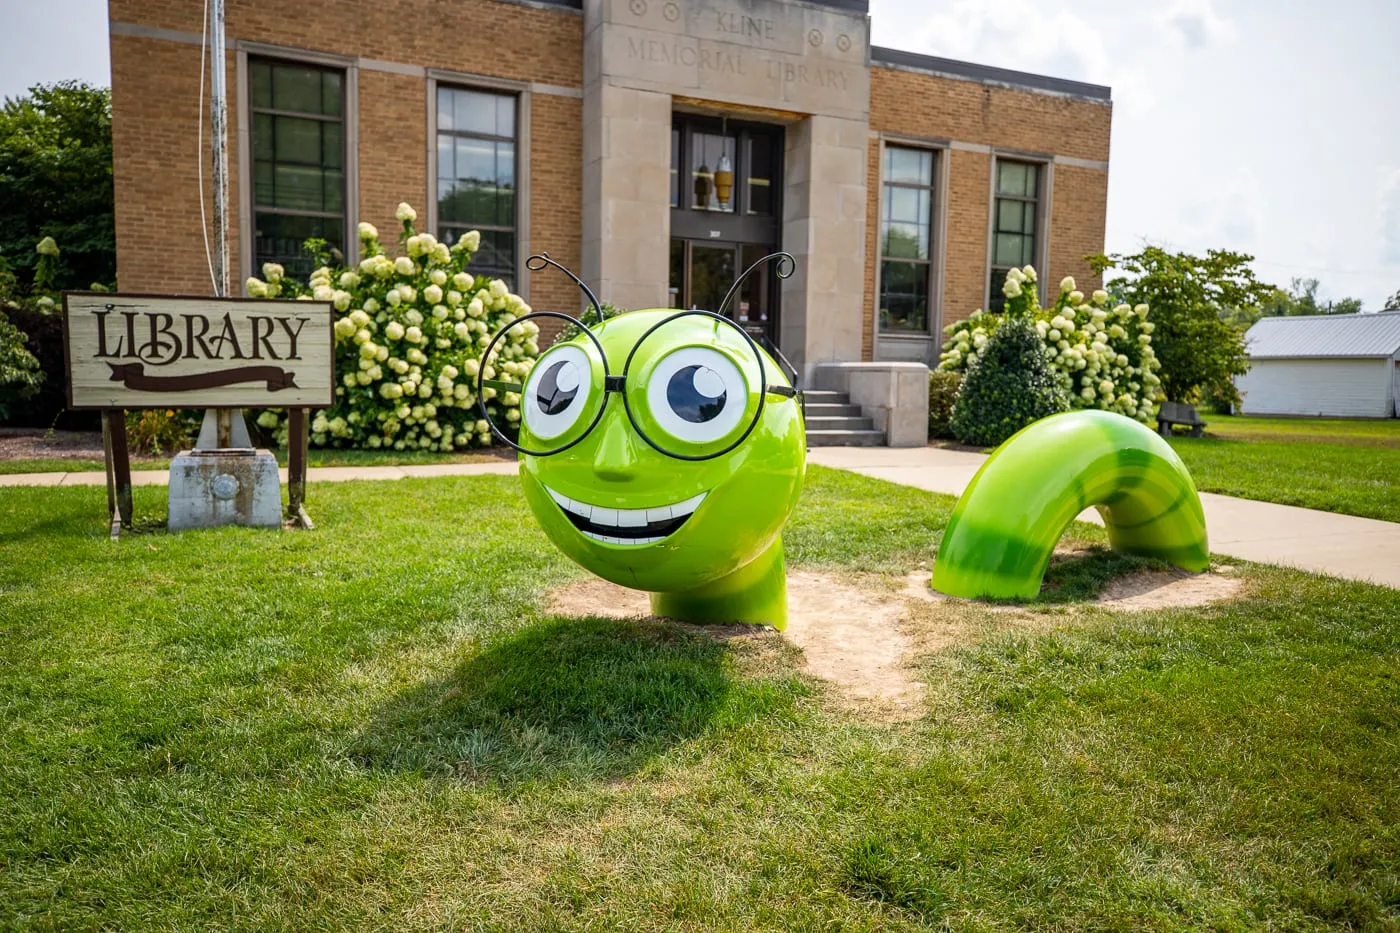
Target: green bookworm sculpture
column 663, row 450
column 1004, row 528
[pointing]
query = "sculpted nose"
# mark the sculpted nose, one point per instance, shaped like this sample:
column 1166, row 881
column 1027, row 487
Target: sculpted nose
column 616, row 458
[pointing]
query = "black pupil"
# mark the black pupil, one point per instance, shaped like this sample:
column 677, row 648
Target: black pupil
column 551, row 398
column 687, row 401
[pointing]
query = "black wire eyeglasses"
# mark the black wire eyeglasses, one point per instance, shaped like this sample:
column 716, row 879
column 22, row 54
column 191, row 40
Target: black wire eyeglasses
column 687, row 403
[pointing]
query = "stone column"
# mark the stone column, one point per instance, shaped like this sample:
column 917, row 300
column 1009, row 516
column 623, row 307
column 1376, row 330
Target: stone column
column 626, row 184
column 824, row 210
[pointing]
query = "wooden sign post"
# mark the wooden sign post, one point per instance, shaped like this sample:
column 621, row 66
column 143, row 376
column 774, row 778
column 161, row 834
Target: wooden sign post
column 157, row 351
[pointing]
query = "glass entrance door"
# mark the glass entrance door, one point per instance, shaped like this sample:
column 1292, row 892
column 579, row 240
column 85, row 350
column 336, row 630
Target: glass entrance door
column 703, row 271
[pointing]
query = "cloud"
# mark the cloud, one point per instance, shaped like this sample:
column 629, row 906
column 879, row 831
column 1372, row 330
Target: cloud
column 1019, row 34
column 1232, row 219
column 1195, row 23
column 1390, row 218
column 1026, row 36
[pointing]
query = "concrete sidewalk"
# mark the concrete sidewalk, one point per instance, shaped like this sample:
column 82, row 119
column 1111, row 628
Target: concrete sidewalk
column 313, row 474
column 1322, row 542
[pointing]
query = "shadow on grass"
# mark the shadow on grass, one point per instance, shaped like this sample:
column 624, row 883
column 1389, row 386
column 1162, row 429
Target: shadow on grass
column 1080, row 576
column 584, row 698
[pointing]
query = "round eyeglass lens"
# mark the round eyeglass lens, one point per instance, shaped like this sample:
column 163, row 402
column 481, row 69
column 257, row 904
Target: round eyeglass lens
column 701, row 398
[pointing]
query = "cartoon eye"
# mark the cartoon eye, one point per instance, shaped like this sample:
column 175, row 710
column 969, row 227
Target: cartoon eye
column 557, row 392
column 697, row 394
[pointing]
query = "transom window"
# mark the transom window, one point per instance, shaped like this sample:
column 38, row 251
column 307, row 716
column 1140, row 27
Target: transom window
column 1015, row 214
column 906, row 233
column 298, row 143
column 476, row 175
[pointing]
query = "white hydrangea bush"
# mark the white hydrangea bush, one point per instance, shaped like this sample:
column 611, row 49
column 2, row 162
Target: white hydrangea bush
column 1103, row 354
column 409, row 333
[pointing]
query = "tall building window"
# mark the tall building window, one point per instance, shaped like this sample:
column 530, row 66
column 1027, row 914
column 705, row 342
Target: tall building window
column 906, row 229
column 476, row 145
column 298, row 130
column 1015, row 214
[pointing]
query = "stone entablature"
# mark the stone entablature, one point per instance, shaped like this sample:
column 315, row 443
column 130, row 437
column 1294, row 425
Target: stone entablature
column 763, row 53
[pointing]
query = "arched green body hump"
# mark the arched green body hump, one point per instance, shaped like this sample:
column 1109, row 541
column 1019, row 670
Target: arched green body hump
column 1005, row 526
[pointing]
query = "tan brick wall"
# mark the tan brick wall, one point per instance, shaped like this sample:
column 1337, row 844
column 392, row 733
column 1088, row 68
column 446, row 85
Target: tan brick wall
column 965, row 278
column 945, row 108
column 556, row 204
column 1077, row 225
column 507, row 40
column 938, row 109
column 393, row 145
column 157, row 168
column 155, row 86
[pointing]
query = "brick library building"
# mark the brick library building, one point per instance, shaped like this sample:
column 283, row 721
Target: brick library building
column 656, row 147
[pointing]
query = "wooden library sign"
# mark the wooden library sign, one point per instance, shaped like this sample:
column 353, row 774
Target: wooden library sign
column 126, row 351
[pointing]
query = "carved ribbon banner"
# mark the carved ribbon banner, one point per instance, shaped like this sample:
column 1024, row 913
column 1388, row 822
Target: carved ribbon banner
column 133, row 376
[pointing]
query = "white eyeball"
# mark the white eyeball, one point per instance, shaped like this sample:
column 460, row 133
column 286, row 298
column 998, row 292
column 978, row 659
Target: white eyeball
column 697, row 395
column 557, row 392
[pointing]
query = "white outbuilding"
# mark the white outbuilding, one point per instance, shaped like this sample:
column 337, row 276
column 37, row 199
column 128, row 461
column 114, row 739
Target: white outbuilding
column 1341, row 366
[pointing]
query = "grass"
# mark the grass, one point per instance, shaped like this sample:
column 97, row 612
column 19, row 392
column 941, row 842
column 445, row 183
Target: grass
column 315, row 458
column 1384, row 433
column 1352, row 467
column 375, row 726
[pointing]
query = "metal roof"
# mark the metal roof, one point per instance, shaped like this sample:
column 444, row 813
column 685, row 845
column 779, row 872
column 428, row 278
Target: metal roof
column 1325, row 336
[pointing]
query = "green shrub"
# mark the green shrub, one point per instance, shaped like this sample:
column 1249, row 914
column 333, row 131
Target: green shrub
column 1009, row 384
column 160, row 430
column 942, row 393
column 20, row 376
column 589, row 317
column 409, row 334
column 1102, row 352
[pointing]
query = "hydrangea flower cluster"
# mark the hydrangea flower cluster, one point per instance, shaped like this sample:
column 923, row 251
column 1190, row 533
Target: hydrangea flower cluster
column 409, row 332
column 1103, row 355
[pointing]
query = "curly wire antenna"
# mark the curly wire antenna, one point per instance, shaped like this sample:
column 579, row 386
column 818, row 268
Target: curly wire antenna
column 537, row 262
column 786, row 267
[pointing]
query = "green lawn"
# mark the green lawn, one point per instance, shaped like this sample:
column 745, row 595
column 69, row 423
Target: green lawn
column 316, row 458
column 1384, row 433
column 1351, row 467
column 374, row 726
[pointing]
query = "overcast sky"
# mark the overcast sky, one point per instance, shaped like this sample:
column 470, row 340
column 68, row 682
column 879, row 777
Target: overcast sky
column 1270, row 127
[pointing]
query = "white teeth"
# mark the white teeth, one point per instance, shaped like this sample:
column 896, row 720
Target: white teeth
column 688, row 506
column 625, row 518
column 607, row 539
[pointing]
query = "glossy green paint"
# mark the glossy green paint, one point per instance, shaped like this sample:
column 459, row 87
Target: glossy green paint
column 725, row 563
column 1004, row 528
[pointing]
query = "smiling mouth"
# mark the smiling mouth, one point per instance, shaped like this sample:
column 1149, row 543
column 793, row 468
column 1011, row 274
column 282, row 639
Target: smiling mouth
column 627, row 526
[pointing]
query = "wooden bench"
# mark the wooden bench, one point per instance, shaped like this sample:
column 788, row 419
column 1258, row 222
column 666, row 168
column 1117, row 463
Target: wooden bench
column 1179, row 413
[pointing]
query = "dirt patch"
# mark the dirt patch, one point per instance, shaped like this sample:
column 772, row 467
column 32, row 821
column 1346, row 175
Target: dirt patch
column 850, row 634
column 853, row 636
column 34, row 444
column 1136, row 592
column 860, row 631
column 1167, row 589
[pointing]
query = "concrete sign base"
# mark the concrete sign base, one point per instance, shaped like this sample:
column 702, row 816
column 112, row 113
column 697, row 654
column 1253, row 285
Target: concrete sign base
column 238, row 486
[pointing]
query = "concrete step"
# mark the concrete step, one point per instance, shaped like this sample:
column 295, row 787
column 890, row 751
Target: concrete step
column 832, row 421
column 870, row 438
column 831, row 410
column 838, row 423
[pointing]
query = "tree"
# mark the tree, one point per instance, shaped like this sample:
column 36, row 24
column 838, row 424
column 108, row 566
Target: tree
column 1300, row 299
column 1193, row 299
column 56, row 181
column 1392, row 303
